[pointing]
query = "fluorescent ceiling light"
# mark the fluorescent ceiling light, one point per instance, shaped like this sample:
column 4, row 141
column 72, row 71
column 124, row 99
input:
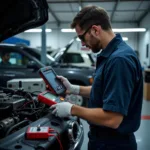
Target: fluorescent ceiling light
column 115, row 30
column 38, row 30
column 67, row 30
column 48, row 30
column 130, row 30
column 124, row 39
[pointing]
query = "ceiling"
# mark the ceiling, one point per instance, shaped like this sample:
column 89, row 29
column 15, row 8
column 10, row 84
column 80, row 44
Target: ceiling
column 120, row 11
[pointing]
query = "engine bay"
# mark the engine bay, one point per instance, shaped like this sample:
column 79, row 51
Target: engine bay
column 20, row 109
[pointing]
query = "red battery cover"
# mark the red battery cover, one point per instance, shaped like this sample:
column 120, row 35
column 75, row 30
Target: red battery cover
column 39, row 132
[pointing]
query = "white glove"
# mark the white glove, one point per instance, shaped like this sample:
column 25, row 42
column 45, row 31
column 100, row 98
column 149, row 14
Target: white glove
column 71, row 89
column 62, row 109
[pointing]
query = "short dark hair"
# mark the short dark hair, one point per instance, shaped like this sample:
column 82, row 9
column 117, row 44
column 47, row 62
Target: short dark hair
column 92, row 15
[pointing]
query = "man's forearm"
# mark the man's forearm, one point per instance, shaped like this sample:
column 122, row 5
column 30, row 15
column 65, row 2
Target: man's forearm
column 85, row 91
column 98, row 116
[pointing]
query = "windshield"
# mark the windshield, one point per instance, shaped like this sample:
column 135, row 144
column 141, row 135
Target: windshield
column 36, row 53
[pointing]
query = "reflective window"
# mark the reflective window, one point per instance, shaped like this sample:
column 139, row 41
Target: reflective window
column 12, row 58
column 73, row 58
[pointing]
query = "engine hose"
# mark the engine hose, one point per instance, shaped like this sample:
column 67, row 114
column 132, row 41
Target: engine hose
column 16, row 125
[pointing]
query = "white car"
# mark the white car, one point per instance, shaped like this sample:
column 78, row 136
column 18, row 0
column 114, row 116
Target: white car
column 76, row 58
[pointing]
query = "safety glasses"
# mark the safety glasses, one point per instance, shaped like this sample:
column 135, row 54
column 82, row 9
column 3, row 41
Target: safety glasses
column 82, row 37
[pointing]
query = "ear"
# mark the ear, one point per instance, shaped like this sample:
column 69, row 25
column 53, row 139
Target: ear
column 96, row 29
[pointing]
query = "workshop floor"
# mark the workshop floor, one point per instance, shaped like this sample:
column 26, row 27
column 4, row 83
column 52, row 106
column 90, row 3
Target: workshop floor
column 142, row 135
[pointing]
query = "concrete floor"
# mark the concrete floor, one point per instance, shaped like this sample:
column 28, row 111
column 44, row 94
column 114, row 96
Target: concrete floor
column 142, row 135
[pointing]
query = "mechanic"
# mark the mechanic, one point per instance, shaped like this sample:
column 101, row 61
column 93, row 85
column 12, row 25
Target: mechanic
column 115, row 98
column 5, row 56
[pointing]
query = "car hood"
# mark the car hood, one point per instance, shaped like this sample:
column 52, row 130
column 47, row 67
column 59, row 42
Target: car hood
column 61, row 53
column 19, row 15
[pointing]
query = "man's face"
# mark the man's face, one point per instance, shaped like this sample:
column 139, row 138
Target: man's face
column 6, row 57
column 88, row 39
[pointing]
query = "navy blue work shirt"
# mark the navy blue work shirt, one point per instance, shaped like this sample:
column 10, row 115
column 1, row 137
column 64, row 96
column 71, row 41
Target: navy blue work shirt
column 118, row 84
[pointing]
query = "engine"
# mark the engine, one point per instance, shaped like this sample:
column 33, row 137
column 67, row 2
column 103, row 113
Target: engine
column 20, row 109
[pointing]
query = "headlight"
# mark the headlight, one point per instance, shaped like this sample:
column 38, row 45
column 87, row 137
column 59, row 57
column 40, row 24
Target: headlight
column 73, row 131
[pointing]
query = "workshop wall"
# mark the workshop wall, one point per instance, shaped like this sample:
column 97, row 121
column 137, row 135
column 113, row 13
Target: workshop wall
column 56, row 39
column 144, row 39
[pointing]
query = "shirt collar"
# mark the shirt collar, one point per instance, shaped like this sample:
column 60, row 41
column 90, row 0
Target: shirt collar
column 106, row 52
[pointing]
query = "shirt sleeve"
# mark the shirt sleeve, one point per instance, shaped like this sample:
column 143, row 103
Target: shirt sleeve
column 118, row 85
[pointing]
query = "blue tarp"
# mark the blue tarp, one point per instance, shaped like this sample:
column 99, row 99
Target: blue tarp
column 16, row 40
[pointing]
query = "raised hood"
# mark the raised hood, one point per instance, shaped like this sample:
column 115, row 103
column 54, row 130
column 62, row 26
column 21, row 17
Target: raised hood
column 17, row 16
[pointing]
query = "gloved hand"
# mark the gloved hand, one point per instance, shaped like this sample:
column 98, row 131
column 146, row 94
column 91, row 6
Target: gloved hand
column 71, row 89
column 62, row 109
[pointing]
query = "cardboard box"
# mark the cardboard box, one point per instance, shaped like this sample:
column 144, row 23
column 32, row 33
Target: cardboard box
column 147, row 91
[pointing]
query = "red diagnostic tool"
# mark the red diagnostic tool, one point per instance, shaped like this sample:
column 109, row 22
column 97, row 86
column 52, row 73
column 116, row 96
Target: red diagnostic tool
column 54, row 84
column 48, row 98
column 39, row 133
column 34, row 133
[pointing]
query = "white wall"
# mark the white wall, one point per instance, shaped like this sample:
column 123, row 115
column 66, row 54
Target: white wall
column 131, row 36
column 144, row 38
column 57, row 39
column 20, row 36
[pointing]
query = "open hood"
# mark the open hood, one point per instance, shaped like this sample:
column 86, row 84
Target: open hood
column 61, row 53
column 17, row 16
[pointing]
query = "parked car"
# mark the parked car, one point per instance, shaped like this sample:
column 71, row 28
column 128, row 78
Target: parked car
column 25, row 63
column 21, row 111
column 76, row 58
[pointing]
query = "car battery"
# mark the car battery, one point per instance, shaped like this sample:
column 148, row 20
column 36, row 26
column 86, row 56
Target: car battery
column 28, row 84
